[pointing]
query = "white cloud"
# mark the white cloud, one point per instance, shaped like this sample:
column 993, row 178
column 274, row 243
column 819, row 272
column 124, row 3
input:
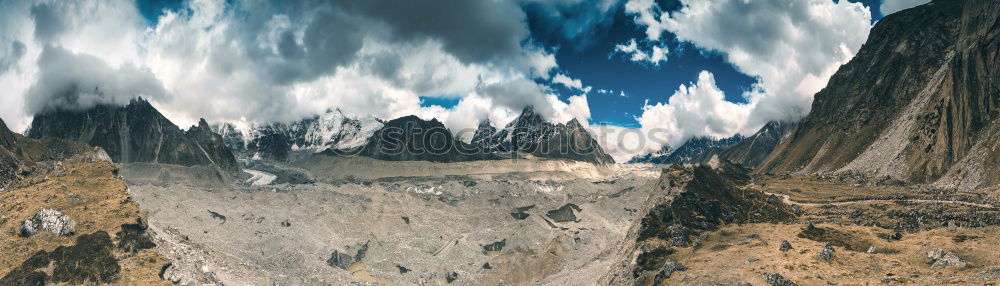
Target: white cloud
column 698, row 109
column 106, row 29
column 256, row 61
column 622, row 143
column 655, row 55
column 893, row 6
column 569, row 82
column 792, row 47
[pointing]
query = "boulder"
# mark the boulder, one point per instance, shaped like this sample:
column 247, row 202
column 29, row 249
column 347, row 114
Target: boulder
column 949, row 260
column 827, row 253
column 48, row 220
column 775, row 279
column 785, row 246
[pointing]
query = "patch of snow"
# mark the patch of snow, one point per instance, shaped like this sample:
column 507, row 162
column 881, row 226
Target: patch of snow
column 259, row 178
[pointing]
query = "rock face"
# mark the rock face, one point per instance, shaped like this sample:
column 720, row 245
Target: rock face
column 531, row 134
column 696, row 150
column 410, row 138
column 751, row 151
column 686, row 202
column 918, row 103
column 331, row 130
column 135, row 133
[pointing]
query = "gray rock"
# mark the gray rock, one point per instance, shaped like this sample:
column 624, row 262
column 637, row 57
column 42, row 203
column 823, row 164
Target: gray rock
column 775, row 279
column 48, row 220
column 343, row 260
column 669, row 267
column 827, row 253
column 785, row 246
column 935, row 254
column 27, row 228
column 564, row 213
column 949, row 260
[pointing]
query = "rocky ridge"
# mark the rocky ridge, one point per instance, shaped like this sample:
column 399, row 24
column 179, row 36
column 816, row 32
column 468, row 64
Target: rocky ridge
column 918, row 103
column 685, row 203
column 136, row 132
column 331, row 130
column 531, row 134
column 695, row 150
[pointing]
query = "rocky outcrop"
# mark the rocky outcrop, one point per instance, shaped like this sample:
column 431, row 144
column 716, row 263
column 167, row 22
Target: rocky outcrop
column 751, row 151
column 135, row 133
column 686, row 202
column 20, row 155
column 72, row 222
column 212, row 145
column 49, row 220
column 918, row 103
column 531, row 134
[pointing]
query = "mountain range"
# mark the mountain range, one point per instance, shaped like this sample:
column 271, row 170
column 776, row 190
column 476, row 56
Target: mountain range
column 331, row 130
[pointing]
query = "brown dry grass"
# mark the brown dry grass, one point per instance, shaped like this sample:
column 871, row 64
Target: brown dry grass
column 726, row 257
column 93, row 196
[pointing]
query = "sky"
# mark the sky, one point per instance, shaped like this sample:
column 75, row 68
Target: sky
column 640, row 74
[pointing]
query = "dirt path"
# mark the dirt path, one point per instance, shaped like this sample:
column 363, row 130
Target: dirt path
column 787, row 199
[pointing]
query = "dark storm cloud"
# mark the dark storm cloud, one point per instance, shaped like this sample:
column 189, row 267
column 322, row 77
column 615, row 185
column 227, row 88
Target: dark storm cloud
column 473, row 31
column 579, row 23
column 78, row 81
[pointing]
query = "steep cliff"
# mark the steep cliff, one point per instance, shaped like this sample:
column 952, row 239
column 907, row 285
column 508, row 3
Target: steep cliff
column 754, row 149
column 134, row 133
column 918, row 103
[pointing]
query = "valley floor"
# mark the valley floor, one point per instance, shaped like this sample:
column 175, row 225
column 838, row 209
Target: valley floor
column 526, row 222
column 481, row 228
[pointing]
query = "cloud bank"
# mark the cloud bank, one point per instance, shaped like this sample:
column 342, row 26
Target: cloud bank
column 283, row 60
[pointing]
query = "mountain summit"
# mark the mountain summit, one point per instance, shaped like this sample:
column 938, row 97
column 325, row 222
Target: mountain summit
column 918, row 103
column 530, row 134
column 136, row 132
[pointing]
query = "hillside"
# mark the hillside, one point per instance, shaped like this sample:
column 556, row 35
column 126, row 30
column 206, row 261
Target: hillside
column 918, row 103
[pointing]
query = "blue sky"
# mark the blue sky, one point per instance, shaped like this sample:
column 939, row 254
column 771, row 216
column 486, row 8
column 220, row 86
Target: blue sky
column 597, row 65
column 729, row 66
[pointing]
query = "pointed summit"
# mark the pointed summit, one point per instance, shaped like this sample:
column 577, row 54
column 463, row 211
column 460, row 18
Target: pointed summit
column 136, row 132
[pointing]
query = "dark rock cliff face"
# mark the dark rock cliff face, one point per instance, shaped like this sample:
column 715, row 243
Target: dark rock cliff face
column 212, row 144
column 754, row 149
column 531, row 134
column 686, row 202
column 918, row 102
column 410, row 138
column 135, row 133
